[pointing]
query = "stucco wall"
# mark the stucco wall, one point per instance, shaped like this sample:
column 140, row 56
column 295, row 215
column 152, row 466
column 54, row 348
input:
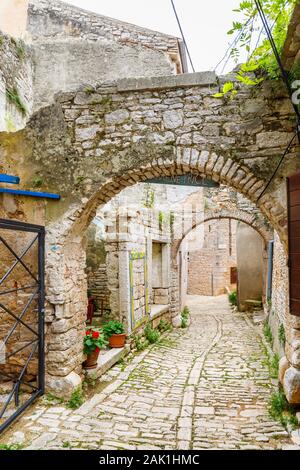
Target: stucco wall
column 68, row 65
column 13, row 17
column 250, row 262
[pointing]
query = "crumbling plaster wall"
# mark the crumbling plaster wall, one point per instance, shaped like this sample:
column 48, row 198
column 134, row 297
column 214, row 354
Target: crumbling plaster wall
column 74, row 48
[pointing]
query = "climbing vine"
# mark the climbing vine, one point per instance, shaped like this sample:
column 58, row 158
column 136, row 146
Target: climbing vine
column 252, row 41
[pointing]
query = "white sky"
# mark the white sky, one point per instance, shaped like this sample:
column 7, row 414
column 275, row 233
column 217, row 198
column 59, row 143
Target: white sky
column 205, row 22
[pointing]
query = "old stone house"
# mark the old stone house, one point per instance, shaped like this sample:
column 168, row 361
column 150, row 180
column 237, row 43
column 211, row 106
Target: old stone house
column 129, row 115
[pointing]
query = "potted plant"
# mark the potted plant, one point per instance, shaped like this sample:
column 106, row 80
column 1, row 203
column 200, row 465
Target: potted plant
column 114, row 331
column 93, row 342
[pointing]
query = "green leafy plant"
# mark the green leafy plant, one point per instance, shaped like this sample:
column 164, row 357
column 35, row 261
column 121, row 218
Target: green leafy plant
column 140, row 342
column 66, row 445
column 161, row 219
column 11, row 446
column 149, row 196
column 232, row 297
column 113, row 327
column 280, row 410
column 37, row 182
column 164, row 326
column 261, row 61
column 274, row 366
column 93, row 340
column 151, row 335
column 172, row 221
column 268, row 333
column 77, row 399
column 281, row 334
column 185, row 315
column 14, row 98
column 51, row 399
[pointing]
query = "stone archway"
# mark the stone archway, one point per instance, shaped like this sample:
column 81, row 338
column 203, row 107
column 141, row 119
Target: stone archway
column 126, row 132
column 66, row 264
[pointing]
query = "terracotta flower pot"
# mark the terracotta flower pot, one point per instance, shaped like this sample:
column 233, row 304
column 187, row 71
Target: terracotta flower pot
column 117, row 341
column 91, row 360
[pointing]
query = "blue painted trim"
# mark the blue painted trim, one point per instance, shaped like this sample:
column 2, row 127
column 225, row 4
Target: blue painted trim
column 20, row 192
column 9, row 179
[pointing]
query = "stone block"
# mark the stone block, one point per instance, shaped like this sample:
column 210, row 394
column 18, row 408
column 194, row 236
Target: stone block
column 291, row 384
column 63, row 386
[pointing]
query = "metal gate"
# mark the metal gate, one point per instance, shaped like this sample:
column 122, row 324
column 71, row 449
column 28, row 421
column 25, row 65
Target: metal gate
column 22, row 295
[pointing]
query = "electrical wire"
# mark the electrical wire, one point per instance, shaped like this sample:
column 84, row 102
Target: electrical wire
column 277, row 56
column 278, row 166
column 182, row 35
column 285, row 78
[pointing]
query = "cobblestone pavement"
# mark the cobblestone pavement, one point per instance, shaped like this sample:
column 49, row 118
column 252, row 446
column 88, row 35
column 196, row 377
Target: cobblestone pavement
column 202, row 388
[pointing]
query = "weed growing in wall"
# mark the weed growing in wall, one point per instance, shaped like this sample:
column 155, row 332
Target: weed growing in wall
column 281, row 335
column 280, row 410
column 14, row 98
column 268, row 333
column 77, row 399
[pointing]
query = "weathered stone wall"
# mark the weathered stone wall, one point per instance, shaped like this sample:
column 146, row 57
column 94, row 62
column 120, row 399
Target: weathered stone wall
column 127, row 132
column 16, row 88
column 55, row 19
column 209, row 268
column 279, row 309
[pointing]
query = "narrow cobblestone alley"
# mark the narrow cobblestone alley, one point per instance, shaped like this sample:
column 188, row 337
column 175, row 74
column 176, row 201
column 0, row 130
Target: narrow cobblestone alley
column 202, row 388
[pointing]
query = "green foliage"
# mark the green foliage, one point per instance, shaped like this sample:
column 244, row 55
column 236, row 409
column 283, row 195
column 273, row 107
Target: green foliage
column 1, row 40
column 185, row 315
column 261, row 61
column 89, row 90
column 281, row 335
column 161, row 219
column 140, row 342
column 274, row 366
column 51, row 399
column 77, row 399
column 66, row 445
column 20, row 49
column 10, row 446
column 268, row 333
column 232, row 297
column 151, row 335
column 93, row 339
column 13, row 97
column 172, row 221
column 164, row 326
column 113, row 327
column 37, row 182
column 280, row 410
column 149, row 196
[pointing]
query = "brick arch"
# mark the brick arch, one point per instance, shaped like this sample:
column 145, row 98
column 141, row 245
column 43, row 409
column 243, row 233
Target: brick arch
column 252, row 220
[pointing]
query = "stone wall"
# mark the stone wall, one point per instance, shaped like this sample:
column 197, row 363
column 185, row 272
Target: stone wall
column 56, row 19
column 16, row 88
column 127, row 132
column 209, row 268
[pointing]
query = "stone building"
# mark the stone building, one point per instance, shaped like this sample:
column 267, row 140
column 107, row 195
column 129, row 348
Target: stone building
column 89, row 136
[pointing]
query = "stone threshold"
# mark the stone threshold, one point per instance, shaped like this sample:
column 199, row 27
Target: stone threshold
column 158, row 310
column 106, row 360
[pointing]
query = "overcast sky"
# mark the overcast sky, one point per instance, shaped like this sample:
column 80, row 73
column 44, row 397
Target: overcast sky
column 205, row 22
